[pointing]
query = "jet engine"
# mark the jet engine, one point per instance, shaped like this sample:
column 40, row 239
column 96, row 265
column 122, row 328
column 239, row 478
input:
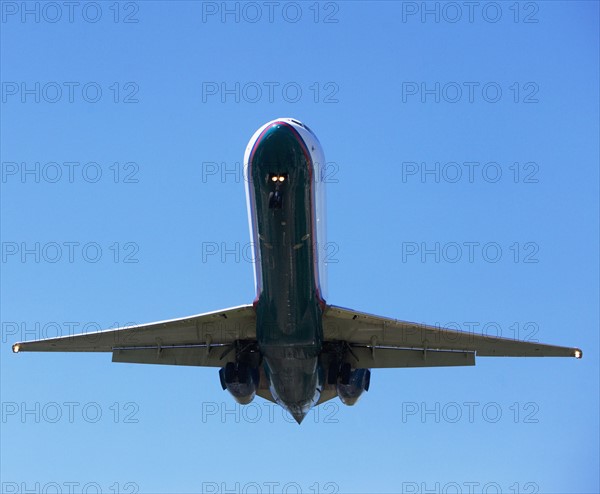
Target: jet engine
column 240, row 380
column 352, row 383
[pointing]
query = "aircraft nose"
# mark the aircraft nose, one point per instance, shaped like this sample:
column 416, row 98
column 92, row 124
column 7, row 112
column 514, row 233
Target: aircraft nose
column 281, row 129
column 280, row 142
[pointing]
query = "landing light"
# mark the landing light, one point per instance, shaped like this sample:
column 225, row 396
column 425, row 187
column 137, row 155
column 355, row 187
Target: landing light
column 274, row 178
column 16, row 347
column 281, row 179
column 577, row 354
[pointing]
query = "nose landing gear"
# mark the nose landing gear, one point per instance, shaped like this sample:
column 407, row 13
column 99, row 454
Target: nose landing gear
column 276, row 196
column 275, row 199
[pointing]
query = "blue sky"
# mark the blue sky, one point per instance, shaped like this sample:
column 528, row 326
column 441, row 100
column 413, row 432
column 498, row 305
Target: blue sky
column 405, row 104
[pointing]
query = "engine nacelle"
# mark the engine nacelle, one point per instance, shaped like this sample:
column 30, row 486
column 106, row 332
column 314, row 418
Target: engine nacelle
column 243, row 393
column 357, row 381
column 240, row 380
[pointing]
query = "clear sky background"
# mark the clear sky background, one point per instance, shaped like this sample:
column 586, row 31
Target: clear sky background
column 378, row 86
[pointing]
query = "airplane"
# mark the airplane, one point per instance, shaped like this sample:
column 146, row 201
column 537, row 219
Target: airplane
column 290, row 346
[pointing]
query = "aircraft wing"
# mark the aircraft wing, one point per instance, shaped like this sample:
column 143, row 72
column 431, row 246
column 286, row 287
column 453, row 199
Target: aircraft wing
column 376, row 341
column 204, row 339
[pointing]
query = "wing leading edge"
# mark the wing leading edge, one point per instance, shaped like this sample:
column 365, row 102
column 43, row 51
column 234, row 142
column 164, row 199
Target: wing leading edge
column 377, row 342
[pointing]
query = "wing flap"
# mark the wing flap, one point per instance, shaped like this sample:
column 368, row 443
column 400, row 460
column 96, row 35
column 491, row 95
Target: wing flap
column 372, row 358
column 205, row 356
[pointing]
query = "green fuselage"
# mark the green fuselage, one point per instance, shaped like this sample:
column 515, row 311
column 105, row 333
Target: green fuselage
column 288, row 303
